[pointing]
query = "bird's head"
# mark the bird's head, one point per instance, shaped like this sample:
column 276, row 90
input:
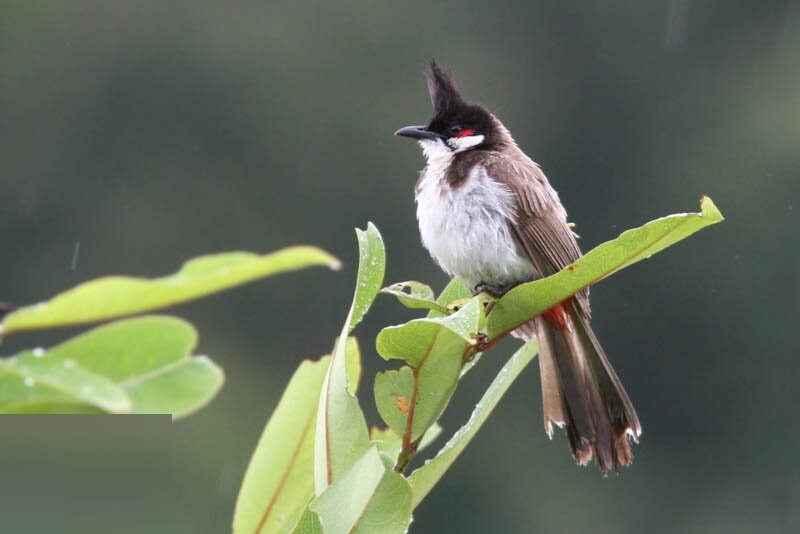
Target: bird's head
column 456, row 125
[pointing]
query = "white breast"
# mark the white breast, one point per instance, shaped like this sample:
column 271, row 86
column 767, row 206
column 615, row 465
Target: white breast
column 466, row 228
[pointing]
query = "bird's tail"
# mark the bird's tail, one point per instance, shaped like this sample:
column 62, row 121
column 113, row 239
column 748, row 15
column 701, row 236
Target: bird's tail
column 580, row 390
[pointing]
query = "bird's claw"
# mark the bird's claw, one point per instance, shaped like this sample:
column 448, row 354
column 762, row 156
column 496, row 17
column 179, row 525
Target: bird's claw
column 493, row 290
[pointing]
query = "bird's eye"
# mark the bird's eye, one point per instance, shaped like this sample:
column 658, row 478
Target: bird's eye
column 455, row 129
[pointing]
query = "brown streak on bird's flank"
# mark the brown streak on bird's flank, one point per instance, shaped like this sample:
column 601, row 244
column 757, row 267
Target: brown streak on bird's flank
column 402, row 403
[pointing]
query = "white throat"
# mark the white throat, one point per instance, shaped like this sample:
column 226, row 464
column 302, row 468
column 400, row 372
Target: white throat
column 467, row 228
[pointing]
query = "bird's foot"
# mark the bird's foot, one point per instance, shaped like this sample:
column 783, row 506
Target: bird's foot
column 494, row 290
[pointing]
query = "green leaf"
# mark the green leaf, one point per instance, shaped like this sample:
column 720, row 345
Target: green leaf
column 150, row 357
column 412, row 410
column 54, row 408
column 279, row 481
column 528, row 300
column 423, row 479
column 368, row 499
column 371, row 268
column 341, row 430
column 390, row 444
column 353, row 352
column 309, row 524
column 455, row 290
column 394, row 392
column 415, row 295
column 413, row 340
column 116, row 296
column 130, row 348
column 72, row 382
column 146, row 362
column 389, row 509
column 410, row 401
column 178, row 389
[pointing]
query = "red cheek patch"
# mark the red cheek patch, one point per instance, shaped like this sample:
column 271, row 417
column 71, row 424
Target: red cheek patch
column 465, row 133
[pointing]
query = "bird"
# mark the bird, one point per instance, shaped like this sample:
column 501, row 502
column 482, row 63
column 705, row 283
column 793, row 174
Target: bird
column 489, row 216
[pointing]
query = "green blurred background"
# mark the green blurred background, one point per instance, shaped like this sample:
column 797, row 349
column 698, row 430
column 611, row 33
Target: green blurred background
column 145, row 133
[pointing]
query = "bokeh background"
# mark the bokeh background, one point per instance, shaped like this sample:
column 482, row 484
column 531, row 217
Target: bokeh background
column 135, row 135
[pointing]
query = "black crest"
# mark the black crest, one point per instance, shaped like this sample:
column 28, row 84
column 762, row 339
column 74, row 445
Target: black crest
column 442, row 88
column 452, row 114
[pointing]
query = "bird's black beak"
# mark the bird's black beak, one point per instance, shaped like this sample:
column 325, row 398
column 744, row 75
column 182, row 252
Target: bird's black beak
column 418, row 132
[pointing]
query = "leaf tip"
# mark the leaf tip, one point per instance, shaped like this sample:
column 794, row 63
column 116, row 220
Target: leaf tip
column 710, row 210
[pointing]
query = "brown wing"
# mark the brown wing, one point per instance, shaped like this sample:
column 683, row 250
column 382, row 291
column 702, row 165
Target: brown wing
column 541, row 221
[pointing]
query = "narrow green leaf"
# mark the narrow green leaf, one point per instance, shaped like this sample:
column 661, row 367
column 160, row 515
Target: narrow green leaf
column 415, row 295
column 38, row 407
column 353, row 366
column 423, row 479
column 368, row 499
column 371, row 268
column 75, row 383
column 341, row 430
column 279, row 481
column 116, row 296
column 528, row 300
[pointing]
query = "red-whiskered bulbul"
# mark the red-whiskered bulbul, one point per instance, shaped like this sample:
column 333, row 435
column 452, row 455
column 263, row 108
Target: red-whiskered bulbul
column 488, row 215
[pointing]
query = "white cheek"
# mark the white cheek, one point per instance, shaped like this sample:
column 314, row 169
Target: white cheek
column 435, row 149
column 460, row 144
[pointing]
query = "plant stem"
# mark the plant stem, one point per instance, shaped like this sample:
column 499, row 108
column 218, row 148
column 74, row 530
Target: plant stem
column 406, row 455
